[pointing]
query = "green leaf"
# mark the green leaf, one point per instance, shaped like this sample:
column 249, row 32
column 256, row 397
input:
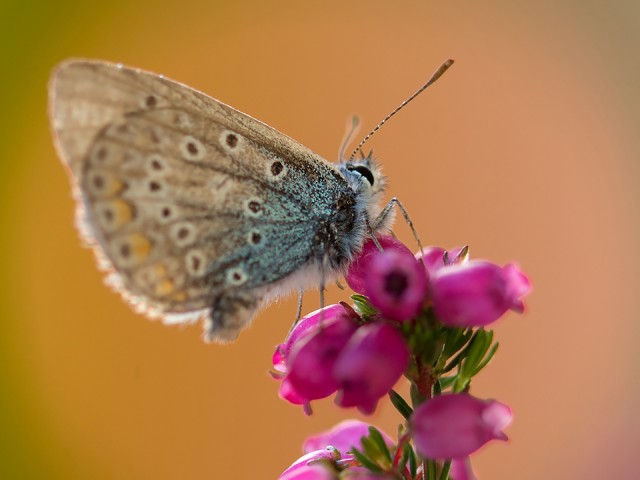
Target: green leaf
column 403, row 460
column 437, row 388
column 487, row 358
column 366, row 461
column 363, row 305
column 477, row 349
column 456, row 339
column 411, row 455
column 461, row 384
column 370, row 448
column 376, row 438
column 431, row 468
column 446, row 382
column 444, row 474
column 416, row 398
column 401, row 404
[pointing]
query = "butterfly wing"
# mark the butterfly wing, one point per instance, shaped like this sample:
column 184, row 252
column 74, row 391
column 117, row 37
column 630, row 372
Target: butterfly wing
column 189, row 203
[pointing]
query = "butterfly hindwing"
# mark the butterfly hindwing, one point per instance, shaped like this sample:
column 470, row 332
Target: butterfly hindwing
column 189, row 202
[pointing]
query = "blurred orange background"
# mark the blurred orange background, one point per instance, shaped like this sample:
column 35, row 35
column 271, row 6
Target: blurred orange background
column 527, row 149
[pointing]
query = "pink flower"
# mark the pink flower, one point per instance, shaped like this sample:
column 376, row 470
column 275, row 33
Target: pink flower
column 311, row 360
column 461, row 469
column 343, row 437
column 306, row 325
column 370, row 364
column 359, row 269
column 456, row 425
column 477, row 293
column 316, row 465
column 328, row 351
column 396, row 284
column 433, row 257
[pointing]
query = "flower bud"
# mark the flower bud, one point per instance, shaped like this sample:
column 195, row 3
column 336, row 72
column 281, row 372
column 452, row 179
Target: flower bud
column 461, row 469
column 396, row 283
column 370, row 364
column 343, row 437
column 359, row 268
column 433, row 257
column 311, row 357
column 477, row 293
column 316, row 465
column 456, row 425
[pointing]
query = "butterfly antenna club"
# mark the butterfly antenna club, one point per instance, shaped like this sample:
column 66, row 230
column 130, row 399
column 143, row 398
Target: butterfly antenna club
column 438, row 73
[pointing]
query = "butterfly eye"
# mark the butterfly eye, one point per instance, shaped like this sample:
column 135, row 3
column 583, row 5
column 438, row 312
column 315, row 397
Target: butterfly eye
column 362, row 170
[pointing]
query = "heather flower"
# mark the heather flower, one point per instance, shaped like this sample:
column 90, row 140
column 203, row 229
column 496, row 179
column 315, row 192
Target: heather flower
column 311, row 360
column 302, row 350
column 434, row 257
column 477, row 293
column 396, row 284
column 360, row 356
column 325, row 355
column 456, row 425
column 370, row 364
column 316, row 465
column 343, row 437
column 306, row 325
column 461, row 469
column 359, row 269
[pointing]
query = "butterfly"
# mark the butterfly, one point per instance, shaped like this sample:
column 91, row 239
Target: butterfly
column 199, row 211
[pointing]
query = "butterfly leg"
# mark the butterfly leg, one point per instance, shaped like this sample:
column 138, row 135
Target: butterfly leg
column 230, row 313
column 385, row 216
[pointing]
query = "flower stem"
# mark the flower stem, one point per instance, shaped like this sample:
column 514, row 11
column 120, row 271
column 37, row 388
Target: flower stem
column 425, row 380
column 444, row 474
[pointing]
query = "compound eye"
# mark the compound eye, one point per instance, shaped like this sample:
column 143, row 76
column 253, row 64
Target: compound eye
column 362, row 170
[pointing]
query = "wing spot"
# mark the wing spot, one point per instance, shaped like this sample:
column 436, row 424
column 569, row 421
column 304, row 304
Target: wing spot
column 236, row 276
column 182, row 121
column 255, row 237
column 254, row 207
column 179, row 297
column 164, row 288
column 132, row 249
column 101, row 154
column 114, row 214
column 276, row 168
column 154, row 186
column 195, row 262
column 191, row 148
column 151, row 101
column 232, row 140
column 183, row 234
column 104, row 185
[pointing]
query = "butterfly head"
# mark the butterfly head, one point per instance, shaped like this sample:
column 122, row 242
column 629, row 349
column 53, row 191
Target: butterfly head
column 366, row 179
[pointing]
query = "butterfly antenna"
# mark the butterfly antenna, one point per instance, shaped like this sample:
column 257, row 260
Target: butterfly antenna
column 438, row 73
column 355, row 126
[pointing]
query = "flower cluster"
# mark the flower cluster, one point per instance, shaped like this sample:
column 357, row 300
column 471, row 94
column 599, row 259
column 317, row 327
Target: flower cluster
column 333, row 350
column 422, row 316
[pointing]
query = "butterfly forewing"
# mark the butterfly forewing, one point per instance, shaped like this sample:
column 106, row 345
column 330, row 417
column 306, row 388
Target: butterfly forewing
column 185, row 196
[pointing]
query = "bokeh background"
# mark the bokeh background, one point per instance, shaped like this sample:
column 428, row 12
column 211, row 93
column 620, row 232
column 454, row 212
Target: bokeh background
column 527, row 149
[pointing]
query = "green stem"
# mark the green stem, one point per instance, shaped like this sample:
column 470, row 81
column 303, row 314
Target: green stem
column 444, row 474
column 431, row 465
